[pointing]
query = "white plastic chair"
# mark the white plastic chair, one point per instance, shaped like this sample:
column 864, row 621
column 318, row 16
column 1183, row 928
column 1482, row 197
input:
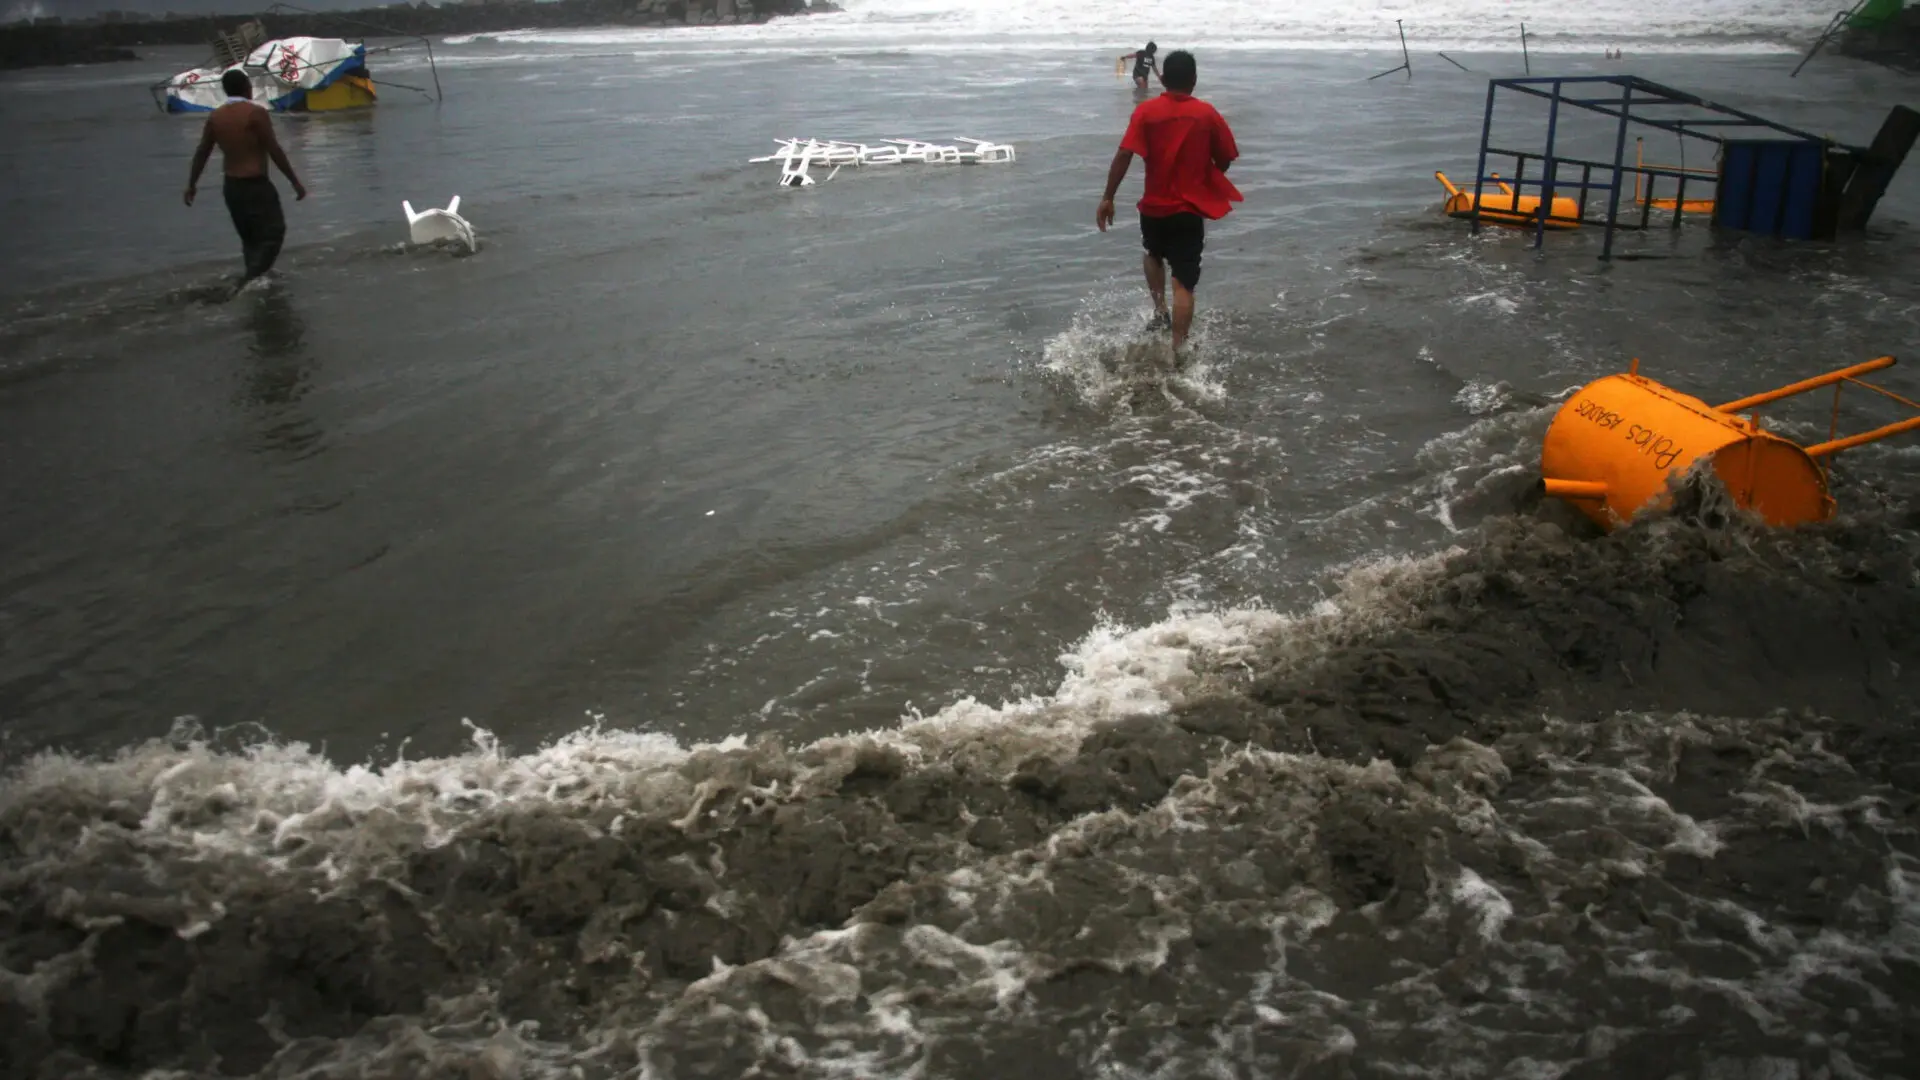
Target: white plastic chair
column 793, row 172
column 432, row 225
column 988, row 153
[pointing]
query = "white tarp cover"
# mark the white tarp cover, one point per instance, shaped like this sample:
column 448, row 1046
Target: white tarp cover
column 280, row 70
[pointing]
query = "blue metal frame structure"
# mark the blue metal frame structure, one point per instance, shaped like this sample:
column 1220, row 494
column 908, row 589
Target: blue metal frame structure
column 1680, row 113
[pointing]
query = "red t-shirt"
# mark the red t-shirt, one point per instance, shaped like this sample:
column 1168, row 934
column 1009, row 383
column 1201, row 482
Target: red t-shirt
column 1186, row 143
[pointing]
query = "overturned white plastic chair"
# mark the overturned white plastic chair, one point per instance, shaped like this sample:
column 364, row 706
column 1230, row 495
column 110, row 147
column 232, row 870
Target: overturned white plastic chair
column 433, row 225
column 987, row 153
column 794, row 159
column 793, row 171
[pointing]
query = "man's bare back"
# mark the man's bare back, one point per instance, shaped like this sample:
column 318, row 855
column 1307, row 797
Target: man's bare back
column 237, row 130
column 244, row 133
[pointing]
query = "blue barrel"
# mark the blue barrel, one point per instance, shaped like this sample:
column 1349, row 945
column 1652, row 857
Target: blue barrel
column 1770, row 186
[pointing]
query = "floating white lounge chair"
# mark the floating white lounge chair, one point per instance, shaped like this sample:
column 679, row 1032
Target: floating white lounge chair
column 839, row 153
column 431, row 225
column 796, row 156
column 987, row 153
column 927, row 153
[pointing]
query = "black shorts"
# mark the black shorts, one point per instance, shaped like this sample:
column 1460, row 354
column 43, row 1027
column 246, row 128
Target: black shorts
column 1178, row 239
column 255, row 208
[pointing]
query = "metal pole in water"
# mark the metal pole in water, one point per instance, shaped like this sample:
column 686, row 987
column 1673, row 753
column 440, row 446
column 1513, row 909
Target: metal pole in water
column 435, row 68
column 1833, row 30
column 1553, row 168
column 1525, row 57
column 1480, row 172
column 1406, row 62
column 1619, row 154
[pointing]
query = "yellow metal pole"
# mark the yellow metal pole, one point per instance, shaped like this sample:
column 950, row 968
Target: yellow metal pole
column 1805, row 385
column 1851, row 441
column 1576, row 489
column 1886, row 393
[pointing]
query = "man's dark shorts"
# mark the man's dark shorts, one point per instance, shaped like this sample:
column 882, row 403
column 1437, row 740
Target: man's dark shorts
column 255, row 208
column 1176, row 238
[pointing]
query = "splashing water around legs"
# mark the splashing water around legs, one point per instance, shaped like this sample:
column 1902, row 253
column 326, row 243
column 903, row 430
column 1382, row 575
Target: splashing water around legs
column 1110, row 365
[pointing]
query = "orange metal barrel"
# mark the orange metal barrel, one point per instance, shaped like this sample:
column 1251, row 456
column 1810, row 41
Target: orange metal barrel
column 1503, row 207
column 1613, row 445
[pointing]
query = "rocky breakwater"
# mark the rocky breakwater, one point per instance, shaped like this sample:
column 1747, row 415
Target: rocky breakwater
column 1894, row 42
column 18, row 50
column 53, row 42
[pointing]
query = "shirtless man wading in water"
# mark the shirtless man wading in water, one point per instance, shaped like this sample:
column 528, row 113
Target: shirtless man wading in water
column 244, row 133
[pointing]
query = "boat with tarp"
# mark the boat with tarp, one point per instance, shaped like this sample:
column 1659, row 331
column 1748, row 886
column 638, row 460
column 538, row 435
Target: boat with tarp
column 289, row 74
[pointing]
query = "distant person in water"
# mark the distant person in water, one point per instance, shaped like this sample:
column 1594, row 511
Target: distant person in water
column 1143, row 64
column 1188, row 147
column 244, row 132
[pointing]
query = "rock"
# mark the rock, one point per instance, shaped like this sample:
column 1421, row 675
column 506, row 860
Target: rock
column 1895, row 43
column 20, row 50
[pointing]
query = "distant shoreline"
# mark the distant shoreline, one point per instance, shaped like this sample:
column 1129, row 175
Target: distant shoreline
column 48, row 42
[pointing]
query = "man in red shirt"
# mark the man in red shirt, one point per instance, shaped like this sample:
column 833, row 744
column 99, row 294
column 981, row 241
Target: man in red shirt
column 1188, row 147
